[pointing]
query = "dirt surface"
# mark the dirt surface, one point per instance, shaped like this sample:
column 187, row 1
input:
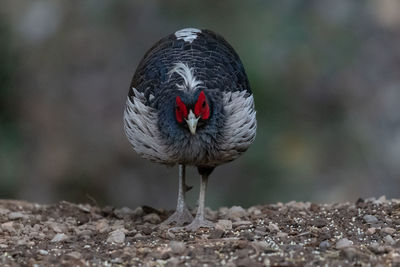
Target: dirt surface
column 293, row 234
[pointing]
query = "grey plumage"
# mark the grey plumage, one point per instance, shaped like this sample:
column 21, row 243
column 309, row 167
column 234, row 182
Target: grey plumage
column 183, row 65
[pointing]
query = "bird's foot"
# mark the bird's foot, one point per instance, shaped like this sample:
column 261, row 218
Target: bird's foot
column 195, row 225
column 179, row 217
column 199, row 222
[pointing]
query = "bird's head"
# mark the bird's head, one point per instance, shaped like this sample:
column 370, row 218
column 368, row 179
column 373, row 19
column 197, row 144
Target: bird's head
column 192, row 111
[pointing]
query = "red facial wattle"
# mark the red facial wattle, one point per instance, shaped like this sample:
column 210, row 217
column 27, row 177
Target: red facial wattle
column 202, row 109
column 180, row 110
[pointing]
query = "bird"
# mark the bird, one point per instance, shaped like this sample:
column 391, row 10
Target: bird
column 190, row 104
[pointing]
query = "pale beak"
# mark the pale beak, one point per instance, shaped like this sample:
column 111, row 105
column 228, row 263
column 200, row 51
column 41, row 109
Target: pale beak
column 192, row 122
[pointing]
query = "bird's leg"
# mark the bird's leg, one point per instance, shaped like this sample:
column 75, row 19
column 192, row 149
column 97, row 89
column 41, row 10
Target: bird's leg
column 200, row 220
column 182, row 214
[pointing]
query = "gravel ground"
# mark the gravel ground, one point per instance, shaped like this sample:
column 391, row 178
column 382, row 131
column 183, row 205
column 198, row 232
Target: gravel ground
column 365, row 233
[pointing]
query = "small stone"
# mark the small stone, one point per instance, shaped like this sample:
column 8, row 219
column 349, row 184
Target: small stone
column 299, row 205
column 4, row 211
column 349, row 253
column 324, row 245
column 236, row 212
column 116, row 236
column 139, row 236
column 377, row 248
column 263, row 246
column 59, row 238
column 388, row 230
column 272, row 227
column 281, row 235
column 370, row 219
column 8, row 226
column 17, row 215
column 102, row 226
column 58, row 228
column 170, row 235
column 75, row 255
column 394, row 256
column 380, row 200
column 343, row 243
column 43, row 252
column 177, row 247
column 138, row 211
column 389, row 240
column 241, row 223
column 254, row 211
column 224, row 225
column 126, row 210
column 152, row 218
column 319, row 222
column 370, row 231
column 216, row 233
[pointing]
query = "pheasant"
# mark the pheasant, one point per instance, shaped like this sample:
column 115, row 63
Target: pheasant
column 190, row 103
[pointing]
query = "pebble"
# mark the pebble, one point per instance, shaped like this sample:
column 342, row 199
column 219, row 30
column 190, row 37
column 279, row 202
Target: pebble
column 138, row 211
column 254, row 211
column 116, row 236
column 263, row 246
column 394, row 257
column 216, row 233
column 241, row 224
column 59, row 238
column 272, row 227
column 343, row 243
column 224, row 225
column 281, row 235
column 388, row 230
column 17, row 215
column 123, row 212
column 152, row 218
column 324, row 245
column 299, row 205
column 349, row 253
column 236, row 212
column 177, row 247
column 389, row 240
column 102, row 226
column 75, row 255
column 371, row 219
column 58, row 228
column 371, row 231
column 3, row 211
column 43, row 252
column 8, row 226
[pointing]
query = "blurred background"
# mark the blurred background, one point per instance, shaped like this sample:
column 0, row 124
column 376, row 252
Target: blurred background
column 325, row 75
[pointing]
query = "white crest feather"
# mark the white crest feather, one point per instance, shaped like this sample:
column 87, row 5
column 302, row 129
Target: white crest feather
column 190, row 82
column 188, row 34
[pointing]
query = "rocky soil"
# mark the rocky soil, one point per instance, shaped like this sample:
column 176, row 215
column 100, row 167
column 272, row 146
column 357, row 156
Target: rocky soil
column 365, row 233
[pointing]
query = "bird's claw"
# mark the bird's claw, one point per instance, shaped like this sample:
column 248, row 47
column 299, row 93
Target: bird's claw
column 179, row 218
column 194, row 225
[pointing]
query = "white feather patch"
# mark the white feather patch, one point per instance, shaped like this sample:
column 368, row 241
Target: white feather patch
column 140, row 124
column 190, row 82
column 239, row 130
column 188, row 34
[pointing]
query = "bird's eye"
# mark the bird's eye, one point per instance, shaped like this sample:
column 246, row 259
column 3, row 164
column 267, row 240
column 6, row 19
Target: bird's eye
column 204, row 104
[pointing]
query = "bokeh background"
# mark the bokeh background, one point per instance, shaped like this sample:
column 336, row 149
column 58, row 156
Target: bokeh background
column 325, row 75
